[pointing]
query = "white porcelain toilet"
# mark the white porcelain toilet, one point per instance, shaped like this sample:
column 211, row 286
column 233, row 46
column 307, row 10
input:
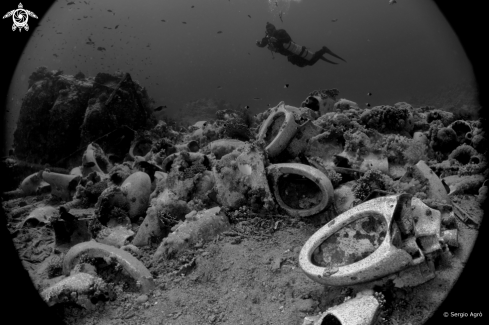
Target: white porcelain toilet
column 276, row 144
column 387, row 258
column 276, row 174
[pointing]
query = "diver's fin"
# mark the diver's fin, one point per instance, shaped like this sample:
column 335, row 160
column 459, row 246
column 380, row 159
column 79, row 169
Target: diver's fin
column 324, row 59
column 331, row 53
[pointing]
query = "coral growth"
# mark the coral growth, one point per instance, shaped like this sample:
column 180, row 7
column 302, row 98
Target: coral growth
column 371, row 180
column 444, row 140
column 388, row 119
column 463, row 153
column 80, row 76
column 415, row 152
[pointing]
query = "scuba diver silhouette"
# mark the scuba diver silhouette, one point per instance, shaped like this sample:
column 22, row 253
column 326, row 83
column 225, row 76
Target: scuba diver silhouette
column 280, row 41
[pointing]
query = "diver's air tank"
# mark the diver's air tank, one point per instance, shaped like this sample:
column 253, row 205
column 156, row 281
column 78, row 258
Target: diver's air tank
column 298, row 50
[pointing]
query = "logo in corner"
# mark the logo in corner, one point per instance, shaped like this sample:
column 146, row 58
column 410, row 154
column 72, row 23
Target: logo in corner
column 20, row 17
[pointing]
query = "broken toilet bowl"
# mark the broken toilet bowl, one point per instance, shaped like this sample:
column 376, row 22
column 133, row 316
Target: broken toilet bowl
column 41, row 215
column 288, row 177
column 129, row 263
column 90, row 163
column 385, row 258
column 361, row 310
column 277, row 130
column 140, row 148
column 137, row 189
column 62, row 186
column 31, row 185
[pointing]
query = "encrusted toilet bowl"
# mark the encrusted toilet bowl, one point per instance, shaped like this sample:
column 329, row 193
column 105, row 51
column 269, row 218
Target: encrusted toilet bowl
column 140, row 148
column 360, row 310
column 90, row 162
column 392, row 254
column 279, row 173
column 62, row 186
column 278, row 129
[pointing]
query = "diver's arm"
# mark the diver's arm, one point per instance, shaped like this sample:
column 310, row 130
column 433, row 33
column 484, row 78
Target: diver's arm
column 263, row 43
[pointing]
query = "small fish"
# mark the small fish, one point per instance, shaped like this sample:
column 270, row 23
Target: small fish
column 70, row 3
column 249, row 53
column 280, row 16
column 116, row 27
column 256, row 98
column 159, row 108
column 334, row 20
column 89, row 164
column 219, row 87
column 192, row 7
column 249, row 16
column 55, row 55
column 368, row 105
column 276, row 3
column 391, row 2
column 246, row 107
column 369, row 94
column 100, row 48
column 109, row 10
column 286, row 86
column 184, row 22
column 163, row 20
column 219, row 32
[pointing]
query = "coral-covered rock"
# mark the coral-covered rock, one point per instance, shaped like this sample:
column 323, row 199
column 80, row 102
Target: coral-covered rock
column 388, row 119
column 56, row 106
column 321, row 101
column 345, row 104
column 437, row 114
column 444, row 140
column 116, row 100
column 50, row 117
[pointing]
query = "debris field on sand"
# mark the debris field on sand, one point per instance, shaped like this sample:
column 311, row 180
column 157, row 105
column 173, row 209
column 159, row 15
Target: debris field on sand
column 292, row 216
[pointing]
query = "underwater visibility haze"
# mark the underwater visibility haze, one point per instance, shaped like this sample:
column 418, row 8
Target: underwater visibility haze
column 186, row 50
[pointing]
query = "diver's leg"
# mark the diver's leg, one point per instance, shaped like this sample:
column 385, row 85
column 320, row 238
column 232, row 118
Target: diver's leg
column 331, row 53
column 319, row 55
column 326, row 60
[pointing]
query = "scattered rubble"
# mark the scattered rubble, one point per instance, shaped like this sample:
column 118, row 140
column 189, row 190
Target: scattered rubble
column 136, row 212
